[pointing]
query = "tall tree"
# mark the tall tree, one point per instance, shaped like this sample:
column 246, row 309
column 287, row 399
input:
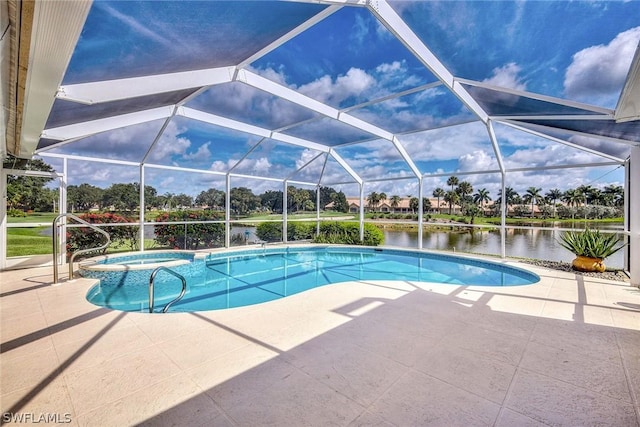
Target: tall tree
column 553, row 196
column 533, row 196
column 572, row 197
column 438, row 193
column 373, row 199
column 452, row 198
column 243, row 200
column 121, row 197
column 614, row 195
column 83, row 197
column 395, row 201
column 340, row 203
column 28, row 192
column 414, row 204
column 453, row 181
column 465, row 189
column 215, row 199
column 481, row 197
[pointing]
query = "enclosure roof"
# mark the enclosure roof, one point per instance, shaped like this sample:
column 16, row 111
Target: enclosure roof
column 312, row 87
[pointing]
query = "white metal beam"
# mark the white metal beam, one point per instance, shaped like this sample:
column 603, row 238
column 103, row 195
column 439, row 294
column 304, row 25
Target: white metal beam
column 346, row 166
column 628, row 107
column 113, row 90
column 243, row 127
column 496, row 147
column 634, row 217
column 562, row 141
column 291, row 34
column 93, row 127
column 394, row 23
column 259, row 82
column 405, row 156
column 573, row 132
column 550, row 99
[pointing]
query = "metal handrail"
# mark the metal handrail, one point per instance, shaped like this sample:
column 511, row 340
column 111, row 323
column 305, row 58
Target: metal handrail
column 153, row 277
column 81, row 251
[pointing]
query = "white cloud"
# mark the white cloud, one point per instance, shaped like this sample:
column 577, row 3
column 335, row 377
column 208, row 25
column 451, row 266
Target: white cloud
column 598, row 73
column 201, row 153
column 478, row 160
column 324, row 89
column 507, row 77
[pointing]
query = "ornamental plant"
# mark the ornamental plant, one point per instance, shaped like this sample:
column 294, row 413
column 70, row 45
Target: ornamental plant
column 193, row 234
column 590, row 243
column 85, row 238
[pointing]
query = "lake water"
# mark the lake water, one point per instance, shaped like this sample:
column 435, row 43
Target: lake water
column 540, row 244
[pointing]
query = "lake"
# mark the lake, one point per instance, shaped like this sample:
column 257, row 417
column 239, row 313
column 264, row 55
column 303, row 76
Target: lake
column 539, row 244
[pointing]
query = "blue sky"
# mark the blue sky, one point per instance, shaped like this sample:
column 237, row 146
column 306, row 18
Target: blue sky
column 579, row 51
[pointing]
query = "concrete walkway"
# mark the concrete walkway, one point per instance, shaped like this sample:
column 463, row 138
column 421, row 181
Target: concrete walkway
column 563, row 352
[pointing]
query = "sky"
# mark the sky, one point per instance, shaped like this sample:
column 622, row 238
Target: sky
column 577, row 51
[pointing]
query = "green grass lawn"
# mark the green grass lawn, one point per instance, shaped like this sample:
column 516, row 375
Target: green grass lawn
column 28, row 241
column 33, row 217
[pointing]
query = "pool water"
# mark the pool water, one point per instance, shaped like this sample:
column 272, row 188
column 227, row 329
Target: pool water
column 235, row 279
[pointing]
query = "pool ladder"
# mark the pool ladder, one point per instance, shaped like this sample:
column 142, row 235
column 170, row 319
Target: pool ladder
column 76, row 253
column 151, row 286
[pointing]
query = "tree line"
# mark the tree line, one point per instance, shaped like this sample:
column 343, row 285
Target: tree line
column 584, row 200
column 126, row 198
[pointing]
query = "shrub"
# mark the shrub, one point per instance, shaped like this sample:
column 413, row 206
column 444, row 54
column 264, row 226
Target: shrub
column 269, row 231
column 16, row 213
column 86, row 238
column 190, row 236
column 348, row 233
column 272, row 231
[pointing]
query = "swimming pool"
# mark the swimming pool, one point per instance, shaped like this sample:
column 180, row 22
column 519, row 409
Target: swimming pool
column 238, row 278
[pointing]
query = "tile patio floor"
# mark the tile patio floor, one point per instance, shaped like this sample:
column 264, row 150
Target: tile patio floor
column 565, row 351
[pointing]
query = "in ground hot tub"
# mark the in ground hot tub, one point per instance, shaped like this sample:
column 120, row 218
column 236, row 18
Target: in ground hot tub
column 135, row 268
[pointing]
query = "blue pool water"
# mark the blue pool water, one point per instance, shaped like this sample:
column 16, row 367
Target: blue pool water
column 235, row 279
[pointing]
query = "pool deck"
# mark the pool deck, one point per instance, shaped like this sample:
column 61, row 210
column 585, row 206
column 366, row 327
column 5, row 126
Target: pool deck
column 563, row 352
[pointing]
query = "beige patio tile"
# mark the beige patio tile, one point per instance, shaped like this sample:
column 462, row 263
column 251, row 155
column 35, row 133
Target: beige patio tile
column 346, row 368
column 173, row 401
column 201, row 346
column 585, row 340
column 296, row 399
column 509, row 418
column 30, row 371
column 479, row 374
column 421, row 400
column 50, row 399
column 110, row 345
column 556, row 402
column 598, row 375
column 110, row 381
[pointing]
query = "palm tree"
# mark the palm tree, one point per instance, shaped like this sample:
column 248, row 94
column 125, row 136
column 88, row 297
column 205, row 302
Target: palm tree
column 464, row 189
column 533, row 195
column 452, row 181
column 510, row 195
column 414, row 204
column 553, row 196
column 438, row 192
column 395, row 201
column 572, row 197
column 587, row 193
column 481, row 197
column 373, row 199
column 452, row 198
column 383, row 197
column 614, row 194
